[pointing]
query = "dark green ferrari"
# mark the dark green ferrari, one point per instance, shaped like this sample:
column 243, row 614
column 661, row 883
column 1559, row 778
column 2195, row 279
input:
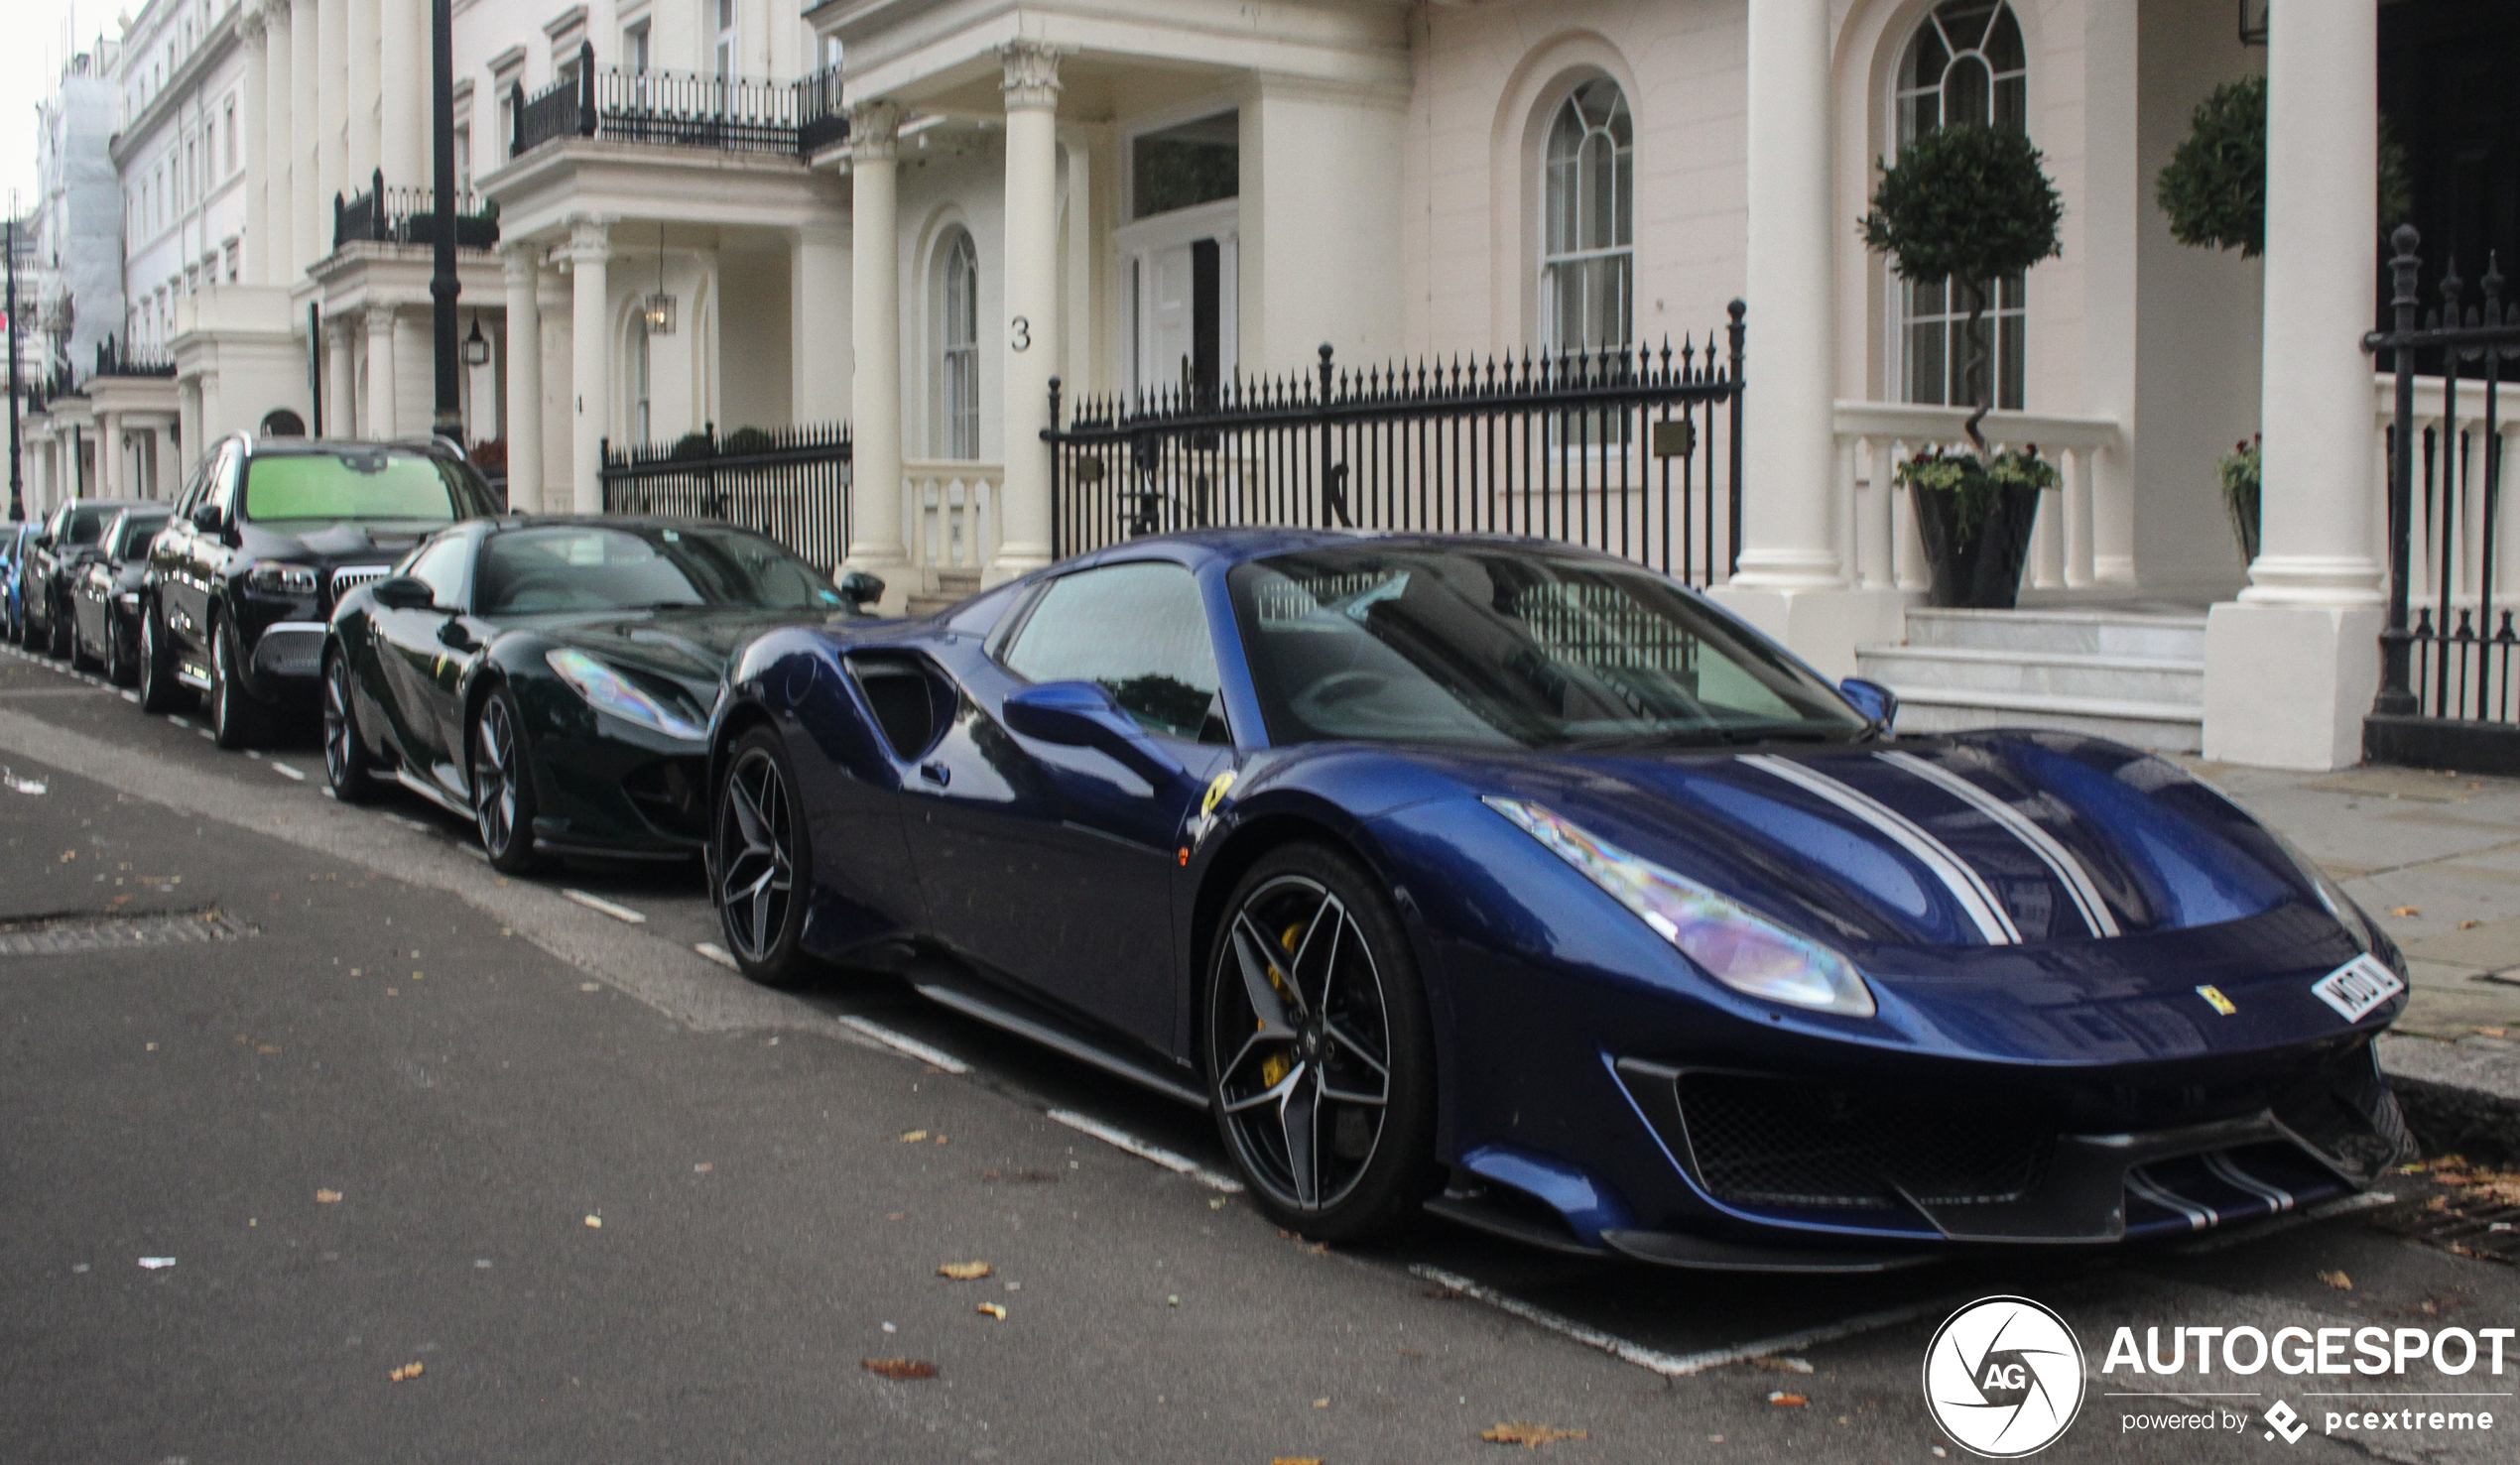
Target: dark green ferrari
column 551, row 679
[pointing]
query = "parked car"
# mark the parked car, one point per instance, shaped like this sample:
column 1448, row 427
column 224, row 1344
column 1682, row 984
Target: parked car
column 1523, row 884
column 11, row 549
column 551, row 679
column 266, row 537
column 105, row 595
column 70, row 536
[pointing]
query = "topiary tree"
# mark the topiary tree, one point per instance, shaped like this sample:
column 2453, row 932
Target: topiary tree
column 1970, row 204
column 2213, row 189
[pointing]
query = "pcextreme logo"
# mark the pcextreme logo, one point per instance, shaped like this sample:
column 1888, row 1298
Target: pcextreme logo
column 2003, row 1377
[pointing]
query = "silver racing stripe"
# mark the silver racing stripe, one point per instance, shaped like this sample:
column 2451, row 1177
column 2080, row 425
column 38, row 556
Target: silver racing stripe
column 2229, row 1171
column 2060, row 862
column 2199, row 1215
column 1984, row 909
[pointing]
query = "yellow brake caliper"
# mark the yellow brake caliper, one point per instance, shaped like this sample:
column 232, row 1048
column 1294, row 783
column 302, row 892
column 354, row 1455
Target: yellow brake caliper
column 1275, row 1067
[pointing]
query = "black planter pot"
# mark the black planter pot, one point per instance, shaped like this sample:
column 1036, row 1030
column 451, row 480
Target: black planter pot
column 1986, row 575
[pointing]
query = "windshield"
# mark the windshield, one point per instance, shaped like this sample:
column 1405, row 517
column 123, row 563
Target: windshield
column 86, row 526
column 1503, row 646
column 362, row 485
column 581, row 567
column 132, row 541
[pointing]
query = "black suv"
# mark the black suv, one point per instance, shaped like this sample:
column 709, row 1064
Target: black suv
column 72, row 535
column 268, row 532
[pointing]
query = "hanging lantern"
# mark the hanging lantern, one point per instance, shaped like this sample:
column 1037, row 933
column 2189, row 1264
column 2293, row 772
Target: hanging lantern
column 477, row 346
column 658, row 309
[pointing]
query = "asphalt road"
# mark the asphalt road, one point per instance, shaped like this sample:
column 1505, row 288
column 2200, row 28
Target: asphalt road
column 375, row 1120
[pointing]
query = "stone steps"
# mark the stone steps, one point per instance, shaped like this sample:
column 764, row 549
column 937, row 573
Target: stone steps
column 954, row 586
column 2135, row 675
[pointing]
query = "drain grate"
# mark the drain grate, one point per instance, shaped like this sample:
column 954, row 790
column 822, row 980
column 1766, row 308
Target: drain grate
column 61, row 936
column 2472, row 1220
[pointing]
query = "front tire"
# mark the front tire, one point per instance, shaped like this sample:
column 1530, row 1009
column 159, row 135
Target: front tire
column 761, row 862
column 346, row 764
column 65, row 637
column 235, row 717
column 503, row 784
column 1319, row 1056
column 159, row 690
column 118, row 662
column 81, row 659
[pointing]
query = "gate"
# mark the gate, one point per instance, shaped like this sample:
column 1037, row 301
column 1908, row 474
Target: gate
column 791, row 484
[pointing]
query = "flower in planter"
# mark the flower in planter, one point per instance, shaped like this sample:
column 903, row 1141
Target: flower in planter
column 1975, row 480
column 2239, row 471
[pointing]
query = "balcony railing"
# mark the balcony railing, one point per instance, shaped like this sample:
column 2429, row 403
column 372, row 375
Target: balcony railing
column 1876, row 525
column 681, row 109
column 114, row 358
column 409, row 216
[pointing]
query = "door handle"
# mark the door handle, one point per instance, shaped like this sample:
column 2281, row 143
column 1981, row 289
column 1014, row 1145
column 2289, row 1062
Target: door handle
column 937, row 774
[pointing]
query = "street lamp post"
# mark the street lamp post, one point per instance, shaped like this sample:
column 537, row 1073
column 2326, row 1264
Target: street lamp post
column 17, row 480
column 443, row 287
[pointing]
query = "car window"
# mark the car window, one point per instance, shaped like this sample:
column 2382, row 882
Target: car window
column 1140, row 631
column 444, row 566
column 132, row 539
column 362, row 485
column 585, row 566
column 86, row 526
column 218, row 487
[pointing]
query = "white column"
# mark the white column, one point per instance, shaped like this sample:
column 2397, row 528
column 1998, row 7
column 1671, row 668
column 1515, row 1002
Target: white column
column 382, row 419
column 525, row 376
column 306, row 112
column 410, row 348
column 875, row 530
column 255, row 30
column 403, row 93
column 361, row 107
column 2291, row 666
column 279, row 178
column 1030, row 329
column 1790, row 581
column 341, row 381
column 187, row 410
column 333, row 77
column 591, row 359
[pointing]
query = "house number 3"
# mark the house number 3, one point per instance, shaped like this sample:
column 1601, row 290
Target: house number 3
column 1020, row 334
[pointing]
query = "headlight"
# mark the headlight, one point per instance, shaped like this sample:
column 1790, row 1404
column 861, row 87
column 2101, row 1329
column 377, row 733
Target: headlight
column 275, row 578
column 1745, row 951
column 610, row 691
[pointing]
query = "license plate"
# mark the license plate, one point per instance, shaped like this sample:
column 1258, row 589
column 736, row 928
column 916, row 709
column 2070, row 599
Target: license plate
column 2357, row 987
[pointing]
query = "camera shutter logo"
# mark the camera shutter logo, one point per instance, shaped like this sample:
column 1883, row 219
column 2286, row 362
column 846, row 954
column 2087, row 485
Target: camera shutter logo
column 2003, row 1377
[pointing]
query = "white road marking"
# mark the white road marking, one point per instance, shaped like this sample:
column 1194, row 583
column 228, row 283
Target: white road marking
column 718, row 954
column 1681, row 1365
column 178, row 721
column 205, row 734
column 1122, row 1140
column 286, row 772
column 409, row 822
column 132, row 697
column 911, row 1046
column 598, row 902
column 476, row 851
column 255, row 754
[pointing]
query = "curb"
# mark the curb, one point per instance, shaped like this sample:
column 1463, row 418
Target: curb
column 2459, row 1098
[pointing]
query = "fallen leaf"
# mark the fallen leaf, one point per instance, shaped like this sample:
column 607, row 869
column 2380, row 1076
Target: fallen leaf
column 1785, row 1401
column 407, row 1371
column 2469, row 925
column 2493, row 1031
column 1295, row 1460
column 1320, row 1404
column 590, row 985
column 2337, row 1280
column 1528, row 1436
column 992, row 1309
column 942, row 1139
column 704, row 1168
column 966, row 1270
column 69, row 855
column 1783, row 1365
column 913, row 1137
column 594, row 1223
column 326, row 1198
column 898, row 1368
column 2405, row 911
column 268, row 1048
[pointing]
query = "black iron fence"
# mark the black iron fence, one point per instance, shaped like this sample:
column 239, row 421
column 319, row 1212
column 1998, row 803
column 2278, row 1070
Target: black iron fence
column 2448, row 653
column 790, row 483
column 683, row 109
column 118, row 358
column 1636, row 450
column 398, row 215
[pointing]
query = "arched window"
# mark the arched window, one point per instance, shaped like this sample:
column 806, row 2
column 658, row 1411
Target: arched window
column 1965, row 63
column 1587, row 263
column 957, row 291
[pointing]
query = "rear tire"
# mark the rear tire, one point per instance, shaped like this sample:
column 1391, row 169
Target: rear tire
column 236, row 721
column 761, row 862
column 346, row 764
column 119, row 667
column 63, row 641
column 159, row 690
column 81, row 660
column 1320, row 1055
column 503, row 784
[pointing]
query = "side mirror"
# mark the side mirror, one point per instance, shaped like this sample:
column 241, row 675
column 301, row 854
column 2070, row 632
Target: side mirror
column 208, row 518
column 403, row 592
column 861, row 589
column 1872, row 699
column 1080, row 714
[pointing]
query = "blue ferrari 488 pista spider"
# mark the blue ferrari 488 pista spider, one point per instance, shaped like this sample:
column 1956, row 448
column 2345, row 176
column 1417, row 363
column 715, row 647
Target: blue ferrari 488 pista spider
column 1522, row 885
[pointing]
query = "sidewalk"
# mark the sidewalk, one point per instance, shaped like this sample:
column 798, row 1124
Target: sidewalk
column 2434, row 858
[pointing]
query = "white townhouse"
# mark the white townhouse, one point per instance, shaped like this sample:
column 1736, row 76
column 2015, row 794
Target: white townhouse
column 73, row 305
column 908, row 215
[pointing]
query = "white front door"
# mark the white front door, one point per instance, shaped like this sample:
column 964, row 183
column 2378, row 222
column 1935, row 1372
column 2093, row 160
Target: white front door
column 1179, row 272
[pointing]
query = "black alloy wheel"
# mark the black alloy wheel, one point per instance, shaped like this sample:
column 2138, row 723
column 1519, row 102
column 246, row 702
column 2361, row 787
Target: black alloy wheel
column 65, row 641
column 158, row 689
column 1319, row 1056
column 761, row 863
column 82, row 659
column 118, row 657
column 235, row 719
column 346, row 764
column 502, row 784
column 28, row 635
